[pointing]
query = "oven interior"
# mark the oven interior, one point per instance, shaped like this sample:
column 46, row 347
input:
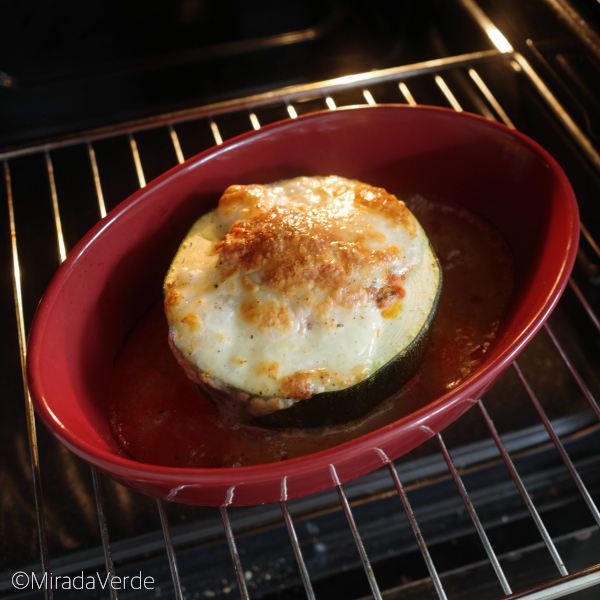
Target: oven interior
column 503, row 503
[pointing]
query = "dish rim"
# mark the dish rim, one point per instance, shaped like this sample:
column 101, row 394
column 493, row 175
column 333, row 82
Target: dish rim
column 497, row 360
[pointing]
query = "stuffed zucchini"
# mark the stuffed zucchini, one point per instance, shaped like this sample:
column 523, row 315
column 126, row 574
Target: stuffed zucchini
column 304, row 302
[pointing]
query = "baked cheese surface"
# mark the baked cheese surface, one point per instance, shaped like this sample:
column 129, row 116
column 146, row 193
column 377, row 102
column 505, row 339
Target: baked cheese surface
column 287, row 290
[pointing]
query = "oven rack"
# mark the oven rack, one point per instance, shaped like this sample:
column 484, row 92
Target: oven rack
column 457, row 81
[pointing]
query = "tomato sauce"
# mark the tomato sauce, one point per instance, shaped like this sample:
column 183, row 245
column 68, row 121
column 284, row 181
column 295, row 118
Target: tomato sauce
column 159, row 416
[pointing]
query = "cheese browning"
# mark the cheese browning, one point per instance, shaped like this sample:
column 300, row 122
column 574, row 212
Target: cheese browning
column 294, row 249
column 285, row 290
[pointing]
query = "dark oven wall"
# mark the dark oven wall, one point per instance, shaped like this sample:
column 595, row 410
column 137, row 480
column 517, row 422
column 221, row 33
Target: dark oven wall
column 68, row 66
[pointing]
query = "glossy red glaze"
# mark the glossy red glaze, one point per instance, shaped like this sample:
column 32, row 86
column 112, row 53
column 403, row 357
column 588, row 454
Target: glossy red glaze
column 115, row 273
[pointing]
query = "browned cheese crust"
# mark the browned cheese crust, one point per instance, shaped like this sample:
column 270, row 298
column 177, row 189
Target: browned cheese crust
column 296, row 249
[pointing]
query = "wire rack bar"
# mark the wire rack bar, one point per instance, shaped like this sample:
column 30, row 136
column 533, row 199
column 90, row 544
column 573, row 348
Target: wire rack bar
column 254, row 121
column 527, row 499
column 406, row 93
column 577, row 24
column 355, row 533
column 500, row 42
column 291, row 111
column 441, row 83
column 369, row 97
column 582, row 140
column 298, row 552
column 29, row 412
column 559, row 446
column 170, row 550
column 580, row 382
column 136, row 160
column 216, row 133
column 435, row 578
column 235, row 557
column 487, row 94
column 590, row 240
column 97, row 183
column 62, row 251
column 110, row 567
column 559, row 588
column 279, row 95
column 586, row 305
column 476, row 521
column 176, row 144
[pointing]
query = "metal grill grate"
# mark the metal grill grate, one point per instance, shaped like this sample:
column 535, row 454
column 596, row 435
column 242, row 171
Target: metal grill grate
column 458, row 82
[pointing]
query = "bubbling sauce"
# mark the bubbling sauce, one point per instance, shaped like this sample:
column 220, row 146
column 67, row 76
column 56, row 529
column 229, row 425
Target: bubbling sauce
column 159, row 416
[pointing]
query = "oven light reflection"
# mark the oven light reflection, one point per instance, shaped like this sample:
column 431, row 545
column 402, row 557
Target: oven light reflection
column 498, row 39
column 491, row 30
column 254, row 121
column 369, row 98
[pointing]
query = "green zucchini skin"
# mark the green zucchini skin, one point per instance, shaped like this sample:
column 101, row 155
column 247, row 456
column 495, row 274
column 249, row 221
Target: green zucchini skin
column 343, row 406
column 340, row 406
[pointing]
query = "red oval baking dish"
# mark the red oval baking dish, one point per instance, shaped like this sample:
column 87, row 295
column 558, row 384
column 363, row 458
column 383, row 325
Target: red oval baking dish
column 115, row 272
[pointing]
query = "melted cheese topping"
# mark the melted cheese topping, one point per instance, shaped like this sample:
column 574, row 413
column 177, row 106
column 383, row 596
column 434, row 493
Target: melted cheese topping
column 284, row 289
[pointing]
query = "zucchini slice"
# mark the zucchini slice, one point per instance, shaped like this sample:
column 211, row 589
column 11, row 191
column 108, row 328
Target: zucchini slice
column 302, row 303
